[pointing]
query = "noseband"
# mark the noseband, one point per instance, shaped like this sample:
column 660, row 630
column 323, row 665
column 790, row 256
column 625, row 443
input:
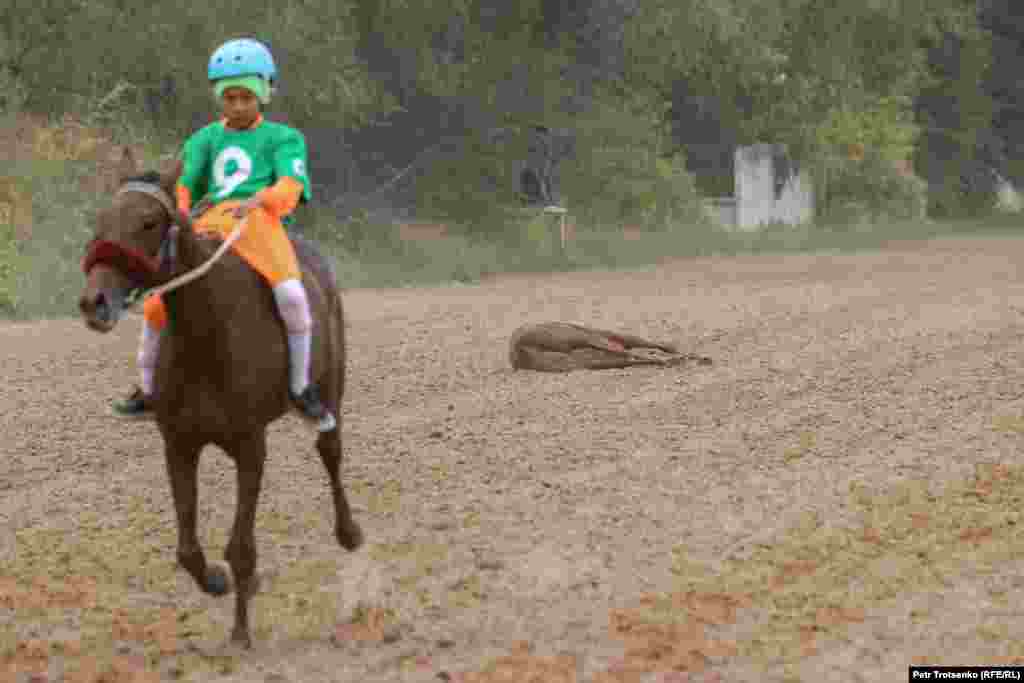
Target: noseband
column 139, row 267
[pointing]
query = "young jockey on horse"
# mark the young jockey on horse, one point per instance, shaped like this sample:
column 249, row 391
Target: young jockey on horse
column 244, row 165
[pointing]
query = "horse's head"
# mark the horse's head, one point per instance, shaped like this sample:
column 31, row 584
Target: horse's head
column 134, row 236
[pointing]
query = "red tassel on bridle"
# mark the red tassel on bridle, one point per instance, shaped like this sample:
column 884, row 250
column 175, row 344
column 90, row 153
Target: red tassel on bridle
column 132, row 263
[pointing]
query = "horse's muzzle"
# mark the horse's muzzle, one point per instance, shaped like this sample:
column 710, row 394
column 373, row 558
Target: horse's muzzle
column 102, row 303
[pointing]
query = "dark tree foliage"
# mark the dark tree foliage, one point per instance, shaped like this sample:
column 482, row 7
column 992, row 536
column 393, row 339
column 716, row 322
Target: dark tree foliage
column 486, row 103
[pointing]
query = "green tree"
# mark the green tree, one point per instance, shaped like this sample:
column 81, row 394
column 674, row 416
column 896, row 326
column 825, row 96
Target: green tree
column 61, row 53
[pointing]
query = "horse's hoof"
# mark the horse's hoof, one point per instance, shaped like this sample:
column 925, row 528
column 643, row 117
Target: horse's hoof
column 350, row 536
column 218, row 579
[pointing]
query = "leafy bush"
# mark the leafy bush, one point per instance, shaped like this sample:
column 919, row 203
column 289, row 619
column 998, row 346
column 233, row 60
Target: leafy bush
column 471, row 183
column 871, row 189
column 10, row 264
column 622, row 172
column 858, row 153
column 58, row 172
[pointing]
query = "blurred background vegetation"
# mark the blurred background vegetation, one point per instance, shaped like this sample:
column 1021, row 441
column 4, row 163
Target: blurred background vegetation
column 477, row 113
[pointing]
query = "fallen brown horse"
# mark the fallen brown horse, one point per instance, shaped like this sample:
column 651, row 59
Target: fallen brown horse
column 562, row 347
column 222, row 373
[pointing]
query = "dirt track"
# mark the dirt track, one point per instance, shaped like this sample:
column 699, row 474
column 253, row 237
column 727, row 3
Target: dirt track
column 504, row 506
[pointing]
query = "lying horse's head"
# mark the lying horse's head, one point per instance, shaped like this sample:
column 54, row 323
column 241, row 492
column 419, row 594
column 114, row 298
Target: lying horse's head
column 128, row 250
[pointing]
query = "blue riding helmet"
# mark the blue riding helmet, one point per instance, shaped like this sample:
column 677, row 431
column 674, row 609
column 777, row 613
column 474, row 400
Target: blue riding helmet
column 242, row 57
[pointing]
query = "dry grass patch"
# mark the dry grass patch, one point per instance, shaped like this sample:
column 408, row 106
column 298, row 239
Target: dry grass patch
column 466, row 593
column 812, row 582
column 381, row 499
column 1009, row 423
column 298, row 604
column 414, row 563
column 805, row 445
column 817, row 578
column 368, row 624
column 109, row 584
column 112, row 584
column 522, row 664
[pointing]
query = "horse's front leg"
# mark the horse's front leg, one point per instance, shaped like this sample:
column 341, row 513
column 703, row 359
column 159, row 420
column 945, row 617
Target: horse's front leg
column 182, row 458
column 249, row 455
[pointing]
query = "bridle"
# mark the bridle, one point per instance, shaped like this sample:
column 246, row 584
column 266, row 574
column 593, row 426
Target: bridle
column 144, row 270
column 140, row 268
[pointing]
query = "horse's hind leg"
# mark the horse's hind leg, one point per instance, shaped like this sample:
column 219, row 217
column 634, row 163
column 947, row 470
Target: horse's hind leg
column 182, row 458
column 633, row 342
column 598, row 359
column 328, row 445
column 600, row 339
column 249, row 456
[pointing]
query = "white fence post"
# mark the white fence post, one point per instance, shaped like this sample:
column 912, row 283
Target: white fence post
column 755, row 202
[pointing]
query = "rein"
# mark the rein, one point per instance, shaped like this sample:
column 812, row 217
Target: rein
column 198, row 271
column 142, row 266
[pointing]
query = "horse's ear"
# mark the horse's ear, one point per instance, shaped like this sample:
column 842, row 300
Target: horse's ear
column 127, row 166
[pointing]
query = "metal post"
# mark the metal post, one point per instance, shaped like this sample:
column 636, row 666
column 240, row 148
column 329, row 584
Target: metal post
column 560, row 212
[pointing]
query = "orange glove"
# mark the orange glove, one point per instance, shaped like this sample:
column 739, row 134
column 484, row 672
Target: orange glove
column 281, row 198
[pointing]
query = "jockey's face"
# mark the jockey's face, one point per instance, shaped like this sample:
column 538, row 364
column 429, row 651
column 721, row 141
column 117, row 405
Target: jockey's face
column 240, row 107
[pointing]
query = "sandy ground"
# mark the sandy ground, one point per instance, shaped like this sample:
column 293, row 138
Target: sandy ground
column 502, row 507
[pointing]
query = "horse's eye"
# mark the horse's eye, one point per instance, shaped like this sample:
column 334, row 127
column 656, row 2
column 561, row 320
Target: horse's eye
column 151, row 225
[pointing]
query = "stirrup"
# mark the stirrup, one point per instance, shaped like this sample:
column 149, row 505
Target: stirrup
column 327, row 423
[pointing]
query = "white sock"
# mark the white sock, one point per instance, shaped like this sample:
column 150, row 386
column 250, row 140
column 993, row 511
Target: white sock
column 149, row 346
column 299, row 345
column 293, row 304
column 146, row 380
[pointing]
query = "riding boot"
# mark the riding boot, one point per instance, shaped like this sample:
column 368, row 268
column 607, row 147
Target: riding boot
column 139, row 404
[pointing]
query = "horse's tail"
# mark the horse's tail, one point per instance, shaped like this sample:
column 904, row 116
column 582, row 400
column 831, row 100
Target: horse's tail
column 308, row 248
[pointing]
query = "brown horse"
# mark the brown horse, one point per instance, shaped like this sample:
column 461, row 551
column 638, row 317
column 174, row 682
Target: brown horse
column 563, row 347
column 222, row 372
